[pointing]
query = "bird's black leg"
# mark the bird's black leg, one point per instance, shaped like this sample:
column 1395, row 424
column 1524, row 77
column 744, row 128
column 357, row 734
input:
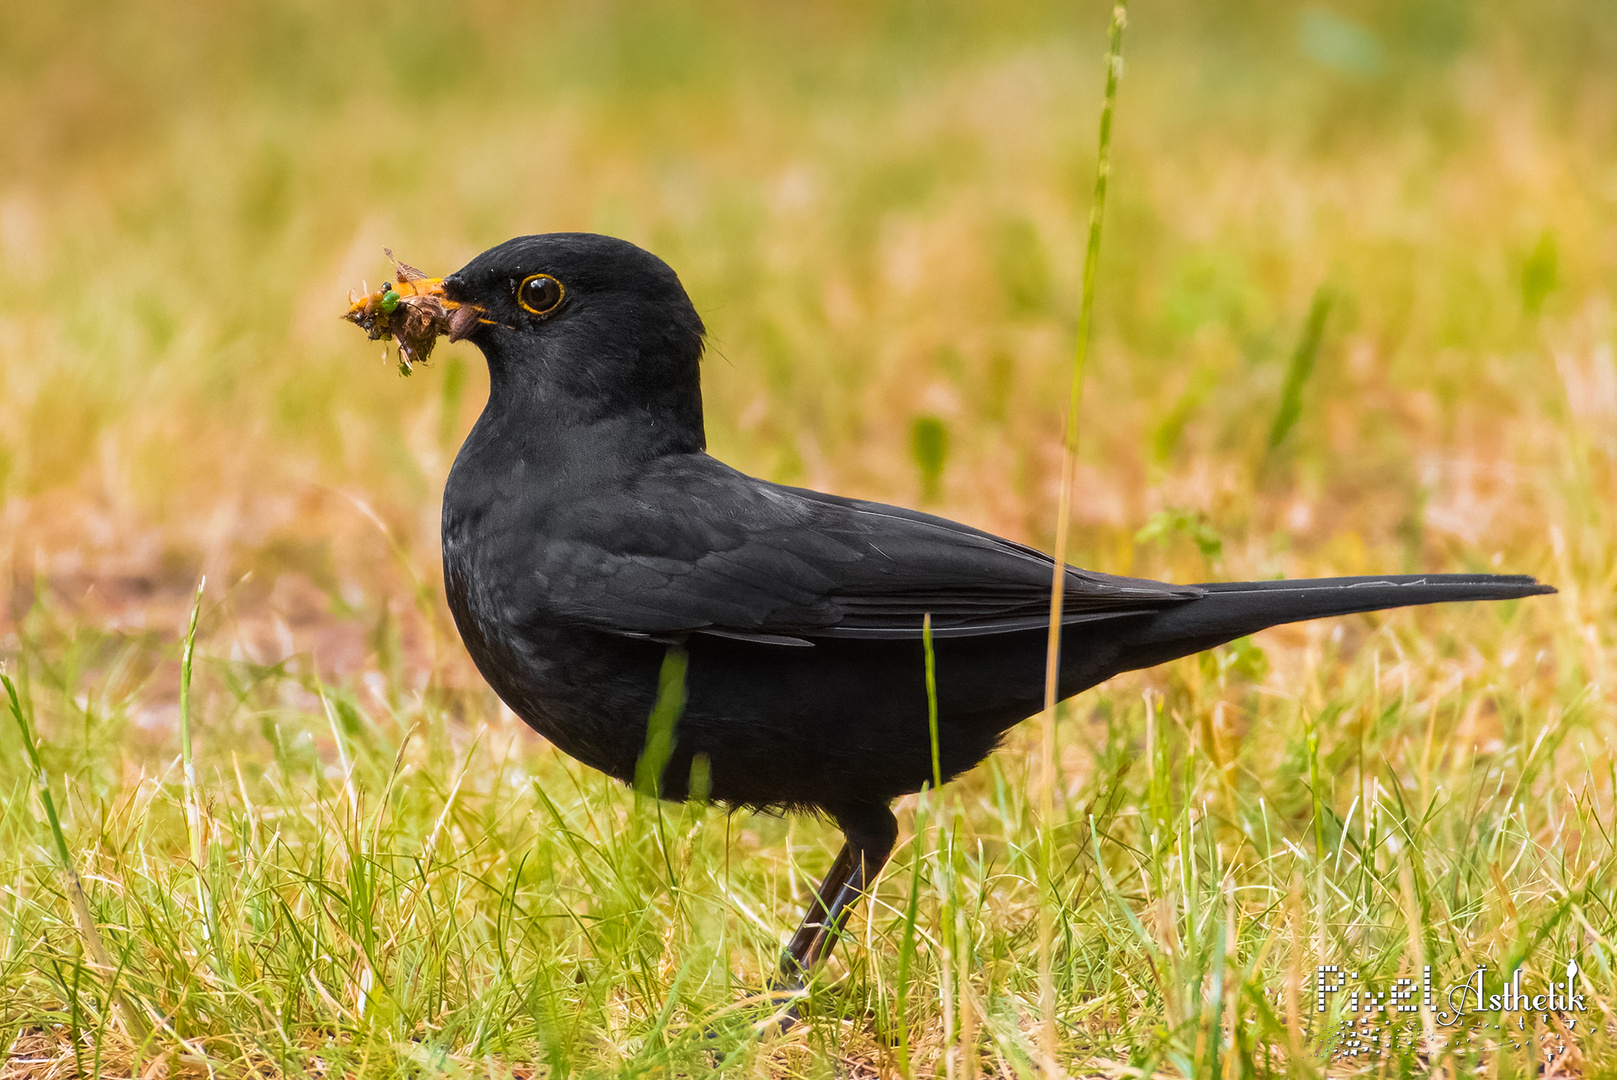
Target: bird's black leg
column 794, row 964
column 869, row 865
column 871, row 832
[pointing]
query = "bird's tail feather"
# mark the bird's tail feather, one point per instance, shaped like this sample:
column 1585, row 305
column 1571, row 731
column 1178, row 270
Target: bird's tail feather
column 1233, row 609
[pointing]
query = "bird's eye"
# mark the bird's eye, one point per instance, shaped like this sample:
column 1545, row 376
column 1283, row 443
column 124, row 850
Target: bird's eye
column 540, row 294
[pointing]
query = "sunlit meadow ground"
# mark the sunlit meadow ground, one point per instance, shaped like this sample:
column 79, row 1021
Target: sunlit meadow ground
column 879, row 209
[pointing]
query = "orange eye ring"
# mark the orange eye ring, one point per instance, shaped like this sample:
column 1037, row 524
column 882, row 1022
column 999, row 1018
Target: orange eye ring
column 540, row 294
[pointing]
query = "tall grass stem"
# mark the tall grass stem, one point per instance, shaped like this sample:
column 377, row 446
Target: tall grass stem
column 193, row 799
column 932, row 698
column 1069, row 461
column 193, row 808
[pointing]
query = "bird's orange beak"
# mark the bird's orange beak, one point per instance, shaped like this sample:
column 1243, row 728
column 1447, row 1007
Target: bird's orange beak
column 433, row 287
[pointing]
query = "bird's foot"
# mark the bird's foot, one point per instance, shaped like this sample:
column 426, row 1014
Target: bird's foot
column 775, row 1010
column 785, row 996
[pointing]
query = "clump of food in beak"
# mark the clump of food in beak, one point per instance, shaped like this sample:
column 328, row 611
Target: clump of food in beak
column 412, row 311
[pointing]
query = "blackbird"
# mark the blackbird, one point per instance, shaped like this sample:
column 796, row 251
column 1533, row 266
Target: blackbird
column 588, row 536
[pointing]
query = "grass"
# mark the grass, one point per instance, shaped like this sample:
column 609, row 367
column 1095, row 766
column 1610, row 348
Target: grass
column 1353, row 314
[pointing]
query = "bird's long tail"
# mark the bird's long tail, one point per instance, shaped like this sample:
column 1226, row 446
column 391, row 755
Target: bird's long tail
column 1233, row 609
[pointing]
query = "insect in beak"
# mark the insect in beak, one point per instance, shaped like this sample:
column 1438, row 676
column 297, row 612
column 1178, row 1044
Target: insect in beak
column 412, row 311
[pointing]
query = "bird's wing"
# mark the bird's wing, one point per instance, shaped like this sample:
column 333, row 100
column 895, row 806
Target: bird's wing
column 700, row 548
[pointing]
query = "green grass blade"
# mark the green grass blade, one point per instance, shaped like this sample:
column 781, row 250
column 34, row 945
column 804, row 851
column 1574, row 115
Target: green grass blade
column 89, row 932
column 1301, row 367
column 660, row 728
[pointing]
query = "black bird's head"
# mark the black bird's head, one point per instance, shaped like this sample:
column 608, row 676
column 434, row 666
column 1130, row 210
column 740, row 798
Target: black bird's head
column 584, row 329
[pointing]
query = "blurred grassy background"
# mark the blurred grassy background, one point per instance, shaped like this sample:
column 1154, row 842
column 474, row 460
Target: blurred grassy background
column 878, row 209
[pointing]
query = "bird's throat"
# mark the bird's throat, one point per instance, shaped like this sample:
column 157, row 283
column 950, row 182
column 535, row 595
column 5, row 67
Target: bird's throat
column 591, row 413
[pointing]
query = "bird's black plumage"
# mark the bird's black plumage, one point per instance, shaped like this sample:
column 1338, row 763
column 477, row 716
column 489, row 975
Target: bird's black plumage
column 586, row 531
